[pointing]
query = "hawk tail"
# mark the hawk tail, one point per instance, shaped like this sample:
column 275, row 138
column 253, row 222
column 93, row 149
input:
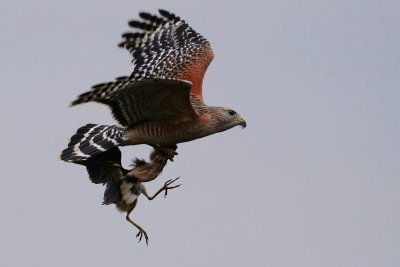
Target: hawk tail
column 91, row 140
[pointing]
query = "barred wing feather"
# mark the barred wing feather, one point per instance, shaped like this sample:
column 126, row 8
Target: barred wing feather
column 167, row 47
column 144, row 100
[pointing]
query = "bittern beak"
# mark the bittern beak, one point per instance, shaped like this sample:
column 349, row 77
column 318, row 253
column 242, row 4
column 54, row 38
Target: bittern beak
column 242, row 123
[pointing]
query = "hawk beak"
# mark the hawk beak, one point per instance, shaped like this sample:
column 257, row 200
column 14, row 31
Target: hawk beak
column 242, row 123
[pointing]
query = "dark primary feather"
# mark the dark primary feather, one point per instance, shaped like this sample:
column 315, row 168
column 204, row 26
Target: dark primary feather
column 168, row 15
column 142, row 25
column 152, row 18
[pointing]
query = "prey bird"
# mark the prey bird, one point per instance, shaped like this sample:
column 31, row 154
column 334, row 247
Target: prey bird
column 123, row 187
column 160, row 103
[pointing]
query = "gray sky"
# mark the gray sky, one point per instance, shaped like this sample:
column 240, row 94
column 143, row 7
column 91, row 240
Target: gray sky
column 312, row 181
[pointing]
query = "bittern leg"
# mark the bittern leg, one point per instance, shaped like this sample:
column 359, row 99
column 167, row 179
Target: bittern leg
column 165, row 188
column 141, row 232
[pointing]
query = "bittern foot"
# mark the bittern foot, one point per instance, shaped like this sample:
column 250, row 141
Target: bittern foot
column 167, row 186
column 168, row 151
column 140, row 235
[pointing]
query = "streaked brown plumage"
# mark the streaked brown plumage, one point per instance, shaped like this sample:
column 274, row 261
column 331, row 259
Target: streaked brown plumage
column 123, row 187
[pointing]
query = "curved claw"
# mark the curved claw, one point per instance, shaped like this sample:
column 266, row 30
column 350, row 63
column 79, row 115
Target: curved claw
column 140, row 235
column 169, row 182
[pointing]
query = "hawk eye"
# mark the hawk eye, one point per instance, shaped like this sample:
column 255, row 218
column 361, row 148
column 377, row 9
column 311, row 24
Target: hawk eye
column 231, row 112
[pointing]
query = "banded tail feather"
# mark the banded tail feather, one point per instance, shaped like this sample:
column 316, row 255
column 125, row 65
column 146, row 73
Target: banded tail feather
column 91, row 140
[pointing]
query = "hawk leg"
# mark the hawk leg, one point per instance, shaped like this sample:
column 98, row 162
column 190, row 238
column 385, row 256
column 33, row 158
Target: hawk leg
column 168, row 151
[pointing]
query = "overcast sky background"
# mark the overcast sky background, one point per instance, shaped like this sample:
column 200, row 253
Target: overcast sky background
column 312, row 181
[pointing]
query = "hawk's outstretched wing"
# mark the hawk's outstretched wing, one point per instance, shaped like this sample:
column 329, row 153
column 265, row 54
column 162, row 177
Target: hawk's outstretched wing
column 145, row 100
column 168, row 48
column 166, row 51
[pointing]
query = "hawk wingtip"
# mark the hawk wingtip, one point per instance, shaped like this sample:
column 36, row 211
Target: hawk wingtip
column 74, row 103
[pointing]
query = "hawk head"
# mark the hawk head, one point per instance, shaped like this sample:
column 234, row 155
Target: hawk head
column 222, row 119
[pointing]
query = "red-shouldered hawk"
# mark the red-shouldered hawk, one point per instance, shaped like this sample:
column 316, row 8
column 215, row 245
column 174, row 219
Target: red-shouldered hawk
column 161, row 102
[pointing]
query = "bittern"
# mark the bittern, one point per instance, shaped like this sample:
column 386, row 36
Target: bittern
column 123, row 187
